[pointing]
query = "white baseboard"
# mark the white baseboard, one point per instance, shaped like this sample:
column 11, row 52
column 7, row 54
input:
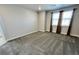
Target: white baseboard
column 74, row 35
column 20, row 36
column 41, row 30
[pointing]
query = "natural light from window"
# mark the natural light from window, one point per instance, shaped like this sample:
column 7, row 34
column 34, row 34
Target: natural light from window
column 55, row 18
column 66, row 18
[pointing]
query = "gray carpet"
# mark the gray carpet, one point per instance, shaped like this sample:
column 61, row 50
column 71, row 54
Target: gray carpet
column 42, row 43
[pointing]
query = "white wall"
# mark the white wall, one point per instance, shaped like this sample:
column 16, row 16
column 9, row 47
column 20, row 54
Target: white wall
column 75, row 25
column 18, row 21
column 48, row 19
column 41, row 20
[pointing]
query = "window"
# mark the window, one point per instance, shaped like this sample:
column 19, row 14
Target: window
column 66, row 17
column 55, row 18
column 64, row 22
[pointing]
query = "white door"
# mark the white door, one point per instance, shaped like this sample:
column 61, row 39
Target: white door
column 2, row 37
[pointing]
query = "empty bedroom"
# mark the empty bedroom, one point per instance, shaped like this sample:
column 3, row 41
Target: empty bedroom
column 39, row 29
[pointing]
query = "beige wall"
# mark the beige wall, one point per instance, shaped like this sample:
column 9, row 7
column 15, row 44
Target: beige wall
column 18, row 21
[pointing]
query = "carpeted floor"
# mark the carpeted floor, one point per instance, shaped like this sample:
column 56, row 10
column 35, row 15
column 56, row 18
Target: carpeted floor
column 42, row 43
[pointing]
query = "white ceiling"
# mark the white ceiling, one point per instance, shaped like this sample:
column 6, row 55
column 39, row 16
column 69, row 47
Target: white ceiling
column 35, row 7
